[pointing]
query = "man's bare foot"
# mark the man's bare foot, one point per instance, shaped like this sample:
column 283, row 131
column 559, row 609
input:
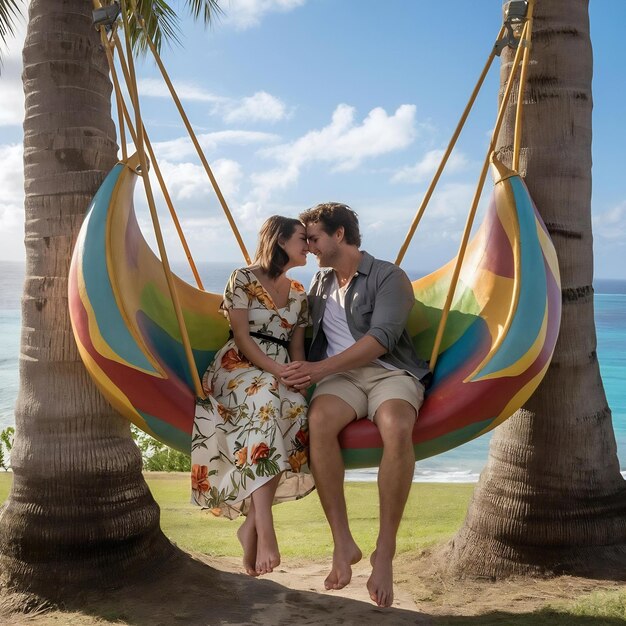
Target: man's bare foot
column 267, row 554
column 343, row 560
column 380, row 583
column 248, row 539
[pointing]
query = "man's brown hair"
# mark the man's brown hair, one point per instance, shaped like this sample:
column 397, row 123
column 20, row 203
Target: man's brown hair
column 332, row 215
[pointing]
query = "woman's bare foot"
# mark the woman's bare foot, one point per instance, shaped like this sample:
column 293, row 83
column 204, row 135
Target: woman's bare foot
column 344, row 558
column 267, row 554
column 248, row 539
column 380, row 583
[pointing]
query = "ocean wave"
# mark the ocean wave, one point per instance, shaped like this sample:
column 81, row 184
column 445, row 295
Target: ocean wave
column 451, row 475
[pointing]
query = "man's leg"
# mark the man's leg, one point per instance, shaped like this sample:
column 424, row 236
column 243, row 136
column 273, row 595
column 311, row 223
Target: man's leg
column 328, row 415
column 395, row 420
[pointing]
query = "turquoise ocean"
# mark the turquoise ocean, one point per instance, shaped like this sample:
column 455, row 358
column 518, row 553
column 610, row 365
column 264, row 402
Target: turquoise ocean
column 462, row 464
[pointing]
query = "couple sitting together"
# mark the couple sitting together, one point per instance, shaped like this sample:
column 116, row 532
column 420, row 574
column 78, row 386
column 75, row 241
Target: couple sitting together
column 254, row 437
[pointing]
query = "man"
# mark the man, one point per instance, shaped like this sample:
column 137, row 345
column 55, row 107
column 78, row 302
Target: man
column 364, row 365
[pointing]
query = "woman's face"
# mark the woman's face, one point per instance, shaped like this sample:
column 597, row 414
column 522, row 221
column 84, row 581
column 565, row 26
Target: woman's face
column 297, row 247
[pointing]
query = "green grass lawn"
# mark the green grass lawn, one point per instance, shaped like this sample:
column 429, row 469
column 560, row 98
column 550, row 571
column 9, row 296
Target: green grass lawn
column 5, row 485
column 433, row 513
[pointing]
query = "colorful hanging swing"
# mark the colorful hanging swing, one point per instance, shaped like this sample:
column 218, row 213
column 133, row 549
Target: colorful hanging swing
column 489, row 318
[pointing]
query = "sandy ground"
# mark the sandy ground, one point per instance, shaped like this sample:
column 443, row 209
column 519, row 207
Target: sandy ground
column 197, row 590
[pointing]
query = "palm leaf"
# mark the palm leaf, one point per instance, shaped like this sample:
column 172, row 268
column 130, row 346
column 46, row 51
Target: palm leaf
column 162, row 22
column 10, row 12
column 208, row 8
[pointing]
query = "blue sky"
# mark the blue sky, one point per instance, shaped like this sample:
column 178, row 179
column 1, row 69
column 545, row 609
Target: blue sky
column 302, row 101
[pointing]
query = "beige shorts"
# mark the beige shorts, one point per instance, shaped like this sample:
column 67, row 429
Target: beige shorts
column 366, row 388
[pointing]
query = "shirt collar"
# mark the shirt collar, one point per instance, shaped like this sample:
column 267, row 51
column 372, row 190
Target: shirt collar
column 366, row 263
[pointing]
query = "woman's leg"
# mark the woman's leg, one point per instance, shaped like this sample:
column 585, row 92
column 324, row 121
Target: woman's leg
column 267, row 554
column 247, row 536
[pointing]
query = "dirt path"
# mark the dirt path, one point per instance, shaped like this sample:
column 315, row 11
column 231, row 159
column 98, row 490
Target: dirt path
column 309, row 576
column 197, row 590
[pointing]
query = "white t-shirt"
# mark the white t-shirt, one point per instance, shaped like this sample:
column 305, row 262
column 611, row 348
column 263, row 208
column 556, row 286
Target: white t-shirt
column 335, row 324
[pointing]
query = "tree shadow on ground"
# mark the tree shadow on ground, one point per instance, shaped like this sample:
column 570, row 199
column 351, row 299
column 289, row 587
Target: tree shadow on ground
column 190, row 592
column 541, row 618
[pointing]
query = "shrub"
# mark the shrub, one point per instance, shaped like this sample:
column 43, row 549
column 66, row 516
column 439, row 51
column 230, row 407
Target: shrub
column 6, row 443
column 157, row 457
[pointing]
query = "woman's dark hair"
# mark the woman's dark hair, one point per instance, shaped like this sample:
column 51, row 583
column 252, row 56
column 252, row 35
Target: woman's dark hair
column 269, row 254
column 332, row 215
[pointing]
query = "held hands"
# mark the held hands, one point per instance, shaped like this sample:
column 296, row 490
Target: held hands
column 278, row 370
column 301, row 374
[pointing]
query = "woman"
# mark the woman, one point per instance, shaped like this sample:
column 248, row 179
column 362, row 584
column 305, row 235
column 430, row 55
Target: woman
column 249, row 444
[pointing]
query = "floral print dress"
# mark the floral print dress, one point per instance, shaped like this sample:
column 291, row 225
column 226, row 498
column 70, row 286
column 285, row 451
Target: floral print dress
column 251, row 427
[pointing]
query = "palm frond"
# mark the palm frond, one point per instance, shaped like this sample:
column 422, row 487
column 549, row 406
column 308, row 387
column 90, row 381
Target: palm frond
column 209, row 9
column 161, row 24
column 162, row 21
column 10, row 12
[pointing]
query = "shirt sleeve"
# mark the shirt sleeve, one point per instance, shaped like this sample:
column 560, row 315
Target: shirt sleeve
column 393, row 303
column 236, row 292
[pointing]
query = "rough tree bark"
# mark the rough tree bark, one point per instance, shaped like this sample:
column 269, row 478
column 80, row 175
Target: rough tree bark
column 551, row 499
column 79, row 511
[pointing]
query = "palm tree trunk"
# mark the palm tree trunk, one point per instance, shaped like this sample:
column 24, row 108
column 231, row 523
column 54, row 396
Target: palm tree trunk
column 79, row 512
column 551, row 498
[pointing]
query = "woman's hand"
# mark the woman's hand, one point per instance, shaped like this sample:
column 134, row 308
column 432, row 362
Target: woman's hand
column 278, row 370
column 302, row 374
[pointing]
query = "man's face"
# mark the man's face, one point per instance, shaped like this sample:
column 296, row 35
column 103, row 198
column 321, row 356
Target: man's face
column 324, row 246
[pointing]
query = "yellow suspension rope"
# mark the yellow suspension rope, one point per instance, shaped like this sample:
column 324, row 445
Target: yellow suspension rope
column 155, row 219
column 444, row 159
column 477, row 194
column 522, row 84
column 157, row 171
column 106, row 44
column 118, row 100
column 193, row 138
column 124, row 115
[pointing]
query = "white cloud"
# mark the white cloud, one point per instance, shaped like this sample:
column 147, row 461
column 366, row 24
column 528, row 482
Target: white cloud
column 11, row 101
column 385, row 221
column 444, row 218
column 156, row 88
column 261, row 107
column 195, row 202
column 182, row 147
column 425, row 168
column 11, row 202
column 344, row 144
column 243, row 14
column 12, row 92
column 12, row 173
column 187, row 181
column 611, row 224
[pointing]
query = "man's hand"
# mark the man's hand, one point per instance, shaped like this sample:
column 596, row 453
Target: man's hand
column 302, row 374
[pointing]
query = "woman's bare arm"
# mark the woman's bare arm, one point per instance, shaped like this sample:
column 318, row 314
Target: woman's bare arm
column 296, row 345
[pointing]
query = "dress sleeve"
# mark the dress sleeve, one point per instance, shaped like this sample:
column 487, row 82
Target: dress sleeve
column 304, row 317
column 236, row 294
